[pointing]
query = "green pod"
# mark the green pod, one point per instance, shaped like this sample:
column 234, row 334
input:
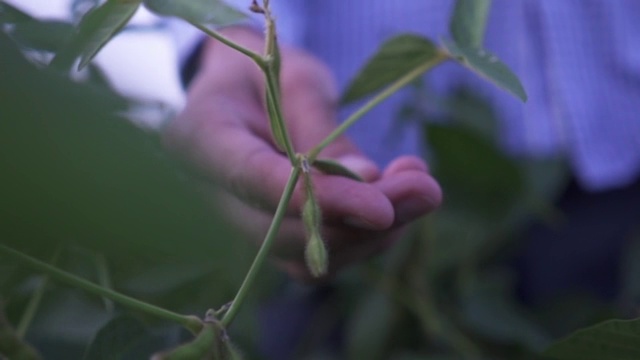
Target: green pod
column 316, row 255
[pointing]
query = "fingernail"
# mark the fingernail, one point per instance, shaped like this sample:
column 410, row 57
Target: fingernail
column 362, row 166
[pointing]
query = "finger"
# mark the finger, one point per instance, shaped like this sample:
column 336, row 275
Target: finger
column 406, row 162
column 413, row 193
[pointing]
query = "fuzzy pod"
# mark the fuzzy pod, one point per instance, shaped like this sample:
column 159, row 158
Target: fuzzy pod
column 316, row 255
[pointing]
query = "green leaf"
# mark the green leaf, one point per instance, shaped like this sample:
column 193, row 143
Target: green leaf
column 198, row 12
column 331, row 167
column 396, row 58
column 484, row 186
column 611, row 340
column 116, row 338
column 369, row 334
column 74, row 172
column 469, row 21
column 12, row 15
column 41, row 35
column 488, row 308
column 487, row 66
column 96, row 28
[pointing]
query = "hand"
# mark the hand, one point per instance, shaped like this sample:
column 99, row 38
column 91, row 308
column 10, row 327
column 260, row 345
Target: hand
column 224, row 131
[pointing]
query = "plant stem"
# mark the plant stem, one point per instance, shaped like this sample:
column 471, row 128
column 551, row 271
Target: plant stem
column 264, row 249
column 32, row 308
column 381, row 96
column 423, row 307
column 257, row 58
column 104, row 279
column 191, row 323
column 34, row 302
column 274, row 96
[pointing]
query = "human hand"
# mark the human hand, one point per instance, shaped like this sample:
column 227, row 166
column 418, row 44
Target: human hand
column 224, row 130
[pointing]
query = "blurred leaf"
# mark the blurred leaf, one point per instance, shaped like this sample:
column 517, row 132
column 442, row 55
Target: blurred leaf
column 197, row 12
column 394, row 59
column 331, row 167
column 165, row 278
column 97, row 27
column 11, row 345
column 74, row 172
column 12, row 15
column 42, row 35
column 611, row 340
column 369, row 327
column 467, row 109
column 469, row 21
column 476, row 174
column 487, row 66
column 489, row 308
column 116, row 338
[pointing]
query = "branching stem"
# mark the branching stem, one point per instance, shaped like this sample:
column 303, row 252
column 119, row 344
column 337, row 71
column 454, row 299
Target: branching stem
column 264, row 249
column 383, row 95
column 191, row 323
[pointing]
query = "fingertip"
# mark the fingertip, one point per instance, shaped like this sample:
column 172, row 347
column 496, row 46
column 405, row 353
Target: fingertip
column 406, row 163
column 413, row 194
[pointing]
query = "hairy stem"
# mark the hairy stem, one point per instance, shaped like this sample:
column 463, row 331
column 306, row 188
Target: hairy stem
column 274, row 97
column 191, row 323
column 257, row 58
column 383, row 95
column 264, row 249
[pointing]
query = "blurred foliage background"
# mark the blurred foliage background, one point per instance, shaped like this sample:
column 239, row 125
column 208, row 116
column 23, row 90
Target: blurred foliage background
column 85, row 189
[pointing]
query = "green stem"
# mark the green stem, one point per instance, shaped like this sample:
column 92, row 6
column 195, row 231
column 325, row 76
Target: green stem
column 381, row 96
column 104, row 279
column 34, row 302
column 257, row 58
column 423, row 307
column 191, row 323
column 264, row 249
column 32, row 308
column 274, row 97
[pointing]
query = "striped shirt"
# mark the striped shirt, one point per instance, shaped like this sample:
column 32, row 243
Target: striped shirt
column 579, row 61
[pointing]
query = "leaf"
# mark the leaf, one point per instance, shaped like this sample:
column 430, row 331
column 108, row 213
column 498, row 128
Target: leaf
column 74, row 172
column 96, row 28
column 487, row 66
column 198, row 12
column 12, row 15
column 611, row 340
column 116, row 338
column 469, row 21
column 331, row 167
column 369, row 328
column 396, row 58
column 42, row 35
column 489, row 309
column 484, row 186
column 475, row 173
